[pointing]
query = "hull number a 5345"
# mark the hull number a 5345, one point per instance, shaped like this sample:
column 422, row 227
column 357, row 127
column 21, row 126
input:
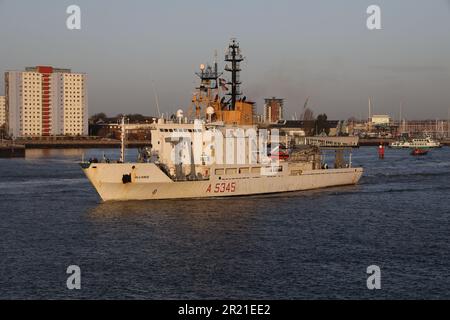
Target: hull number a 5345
column 224, row 187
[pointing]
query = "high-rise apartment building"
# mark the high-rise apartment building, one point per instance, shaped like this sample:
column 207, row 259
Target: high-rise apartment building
column 2, row 111
column 273, row 110
column 45, row 101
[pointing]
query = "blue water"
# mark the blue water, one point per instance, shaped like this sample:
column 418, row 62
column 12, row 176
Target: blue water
column 305, row 245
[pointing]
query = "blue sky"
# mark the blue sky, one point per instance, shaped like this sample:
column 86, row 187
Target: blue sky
column 294, row 49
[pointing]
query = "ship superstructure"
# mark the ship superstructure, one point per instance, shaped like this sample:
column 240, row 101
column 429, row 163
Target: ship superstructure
column 220, row 99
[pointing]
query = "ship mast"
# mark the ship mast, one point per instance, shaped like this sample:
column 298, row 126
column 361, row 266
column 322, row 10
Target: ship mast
column 209, row 81
column 122, row 141
column 235, row 57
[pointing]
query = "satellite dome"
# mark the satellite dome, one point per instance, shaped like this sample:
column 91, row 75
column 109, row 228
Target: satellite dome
column 210, row 111
column 180, row 113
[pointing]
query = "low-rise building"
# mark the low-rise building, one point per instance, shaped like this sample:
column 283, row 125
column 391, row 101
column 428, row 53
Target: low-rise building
column 380, row 120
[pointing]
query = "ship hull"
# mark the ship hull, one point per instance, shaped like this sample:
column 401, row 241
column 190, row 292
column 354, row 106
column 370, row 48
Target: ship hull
column 150, row 183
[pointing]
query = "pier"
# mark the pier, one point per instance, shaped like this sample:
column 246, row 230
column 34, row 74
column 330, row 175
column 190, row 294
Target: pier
column 12, row 150
column 331, row 142
column 375, row 142
column 81, row 144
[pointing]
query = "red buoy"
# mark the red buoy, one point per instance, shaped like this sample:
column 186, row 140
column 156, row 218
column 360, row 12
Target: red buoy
column 381, row 150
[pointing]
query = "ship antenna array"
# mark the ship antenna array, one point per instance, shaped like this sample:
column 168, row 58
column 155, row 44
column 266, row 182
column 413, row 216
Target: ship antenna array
column 208, row 74
column 156, row 99
column 216, row 69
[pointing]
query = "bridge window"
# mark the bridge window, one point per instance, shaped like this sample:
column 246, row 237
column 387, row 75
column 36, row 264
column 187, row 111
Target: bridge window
column 256, row 170
column 231, row 171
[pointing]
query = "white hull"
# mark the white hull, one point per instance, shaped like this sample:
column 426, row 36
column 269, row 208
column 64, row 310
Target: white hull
column 148, row 182
column 413, row 146
column 416, row 143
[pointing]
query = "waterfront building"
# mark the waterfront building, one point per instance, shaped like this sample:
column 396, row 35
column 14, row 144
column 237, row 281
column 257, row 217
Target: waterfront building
column 380, row 120
column 46, row 101
column 307, row 127
column 138, row 127
column 273, row 110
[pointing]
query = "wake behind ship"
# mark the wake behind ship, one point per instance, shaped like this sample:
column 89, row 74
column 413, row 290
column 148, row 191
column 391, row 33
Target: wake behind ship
column 217, row 151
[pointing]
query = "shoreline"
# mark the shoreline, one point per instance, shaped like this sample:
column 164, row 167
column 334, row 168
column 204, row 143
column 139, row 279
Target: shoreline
column 113, row 144
column 81, row 144
column 386, row 142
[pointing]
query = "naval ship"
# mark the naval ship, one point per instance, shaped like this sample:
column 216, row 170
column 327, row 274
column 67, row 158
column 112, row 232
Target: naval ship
column 217, row 150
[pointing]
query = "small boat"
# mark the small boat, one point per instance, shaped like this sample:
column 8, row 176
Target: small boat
column 426, row 142
column 419, row 152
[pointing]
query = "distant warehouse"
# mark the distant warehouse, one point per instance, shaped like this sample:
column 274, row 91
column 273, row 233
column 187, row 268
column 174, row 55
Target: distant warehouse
column 46, row 101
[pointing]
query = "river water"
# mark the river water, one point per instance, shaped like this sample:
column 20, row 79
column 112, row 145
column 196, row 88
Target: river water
column 307, row 245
